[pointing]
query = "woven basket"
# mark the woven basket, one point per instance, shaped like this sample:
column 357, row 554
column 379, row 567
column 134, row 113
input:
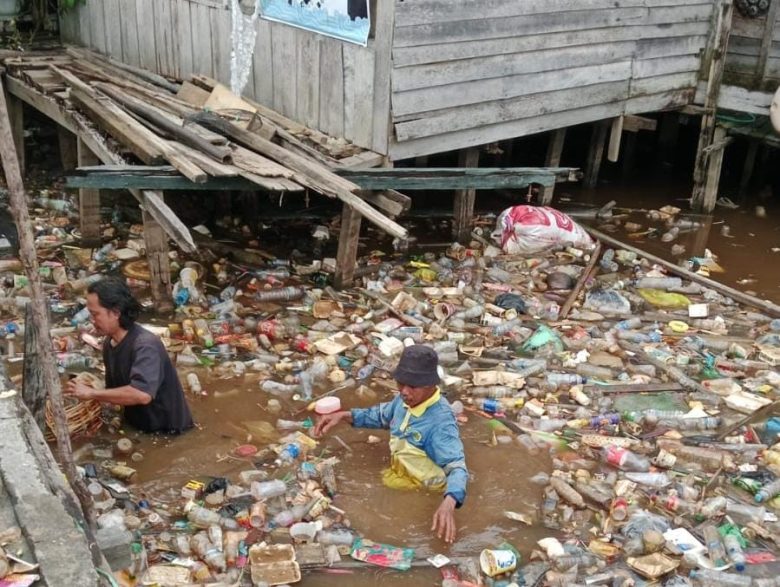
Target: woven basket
column 84, row 417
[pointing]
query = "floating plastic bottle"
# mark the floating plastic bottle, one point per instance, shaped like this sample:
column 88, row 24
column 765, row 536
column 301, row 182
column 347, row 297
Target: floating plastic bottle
column 607, row 261
column 713, row 506
column 745, row 514
column 658, row 282
column 712, row 578
column 690, row 424
column 624, row 459
column 565, row 379
column 288, row 455
column 194, row 383
column 283, row 294
column 567, row 492
column 715, row 549
column 670, row 234
column 629, row 324
column 337, row 537
column 768, row 491
column 493, row 391
column 202, row 517
column 734, row 551
column 584, row 559
column 274, row 387
column 80, row 317
column 203, row 332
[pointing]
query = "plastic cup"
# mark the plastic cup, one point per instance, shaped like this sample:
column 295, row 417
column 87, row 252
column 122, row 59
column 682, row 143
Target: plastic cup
column 443, row 311
column 497, row 562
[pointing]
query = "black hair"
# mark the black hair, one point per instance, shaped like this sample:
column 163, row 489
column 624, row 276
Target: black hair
column 113, row 294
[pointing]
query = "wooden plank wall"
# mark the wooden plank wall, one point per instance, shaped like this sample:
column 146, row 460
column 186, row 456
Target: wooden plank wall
column 467, row 73
column 744, row 49
column 319, row 81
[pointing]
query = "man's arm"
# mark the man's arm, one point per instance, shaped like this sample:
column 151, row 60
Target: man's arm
column 446, row 450
column 377, row 416
column 127, row 395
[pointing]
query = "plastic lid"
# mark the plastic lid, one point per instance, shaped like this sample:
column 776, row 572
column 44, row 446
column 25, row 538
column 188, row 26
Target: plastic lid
column 327, row 405
column 678, row 326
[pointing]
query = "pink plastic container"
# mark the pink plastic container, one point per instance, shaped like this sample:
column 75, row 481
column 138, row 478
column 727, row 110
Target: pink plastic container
column 327, row 405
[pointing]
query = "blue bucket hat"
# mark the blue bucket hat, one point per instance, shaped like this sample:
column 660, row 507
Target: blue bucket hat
column 418, row 367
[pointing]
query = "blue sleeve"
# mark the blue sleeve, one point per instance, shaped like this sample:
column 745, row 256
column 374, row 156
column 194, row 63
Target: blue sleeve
column 377, row 416
column 446, row 450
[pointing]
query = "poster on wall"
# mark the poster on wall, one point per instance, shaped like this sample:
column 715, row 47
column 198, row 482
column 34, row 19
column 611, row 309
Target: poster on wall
column 347, row 20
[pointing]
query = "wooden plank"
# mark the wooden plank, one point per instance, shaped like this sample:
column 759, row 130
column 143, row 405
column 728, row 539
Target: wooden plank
column 284, row 65
column 16, row 118
column 97, row 26
column 332, row 87
column 113, row 30
column 308, row 82
column 766, row 41
column 183, row 45
column 449, row 179
column 427, row 11
column 615, row 135
column 553, row 159
column 89, row 199
column 474, row 92
column 463, row 70
column 358, row 94
column 637, row 123
column 221, row 45
column 499, row 111
column 164, row 39
column 445, row 51
column 663, row 83
column 463, row 209
column 349, row 239
column 384, row 23
column 128, row 18
column 262, row 64
column 590, row 270
column 669, row 100
column 497, row 132
column 491, row 28
column 201, row 39
column 68, row 145
column 147, row 47
column 156, row 243
column 595, row 154
column 43, row 104
column 714, row 166
column 737, row 98
column 665, row 65
column 668, row 46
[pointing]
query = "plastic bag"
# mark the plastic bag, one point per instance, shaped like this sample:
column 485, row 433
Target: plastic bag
column 382, row 555
column 526, row 230
column 607, row 300
column 664, row 299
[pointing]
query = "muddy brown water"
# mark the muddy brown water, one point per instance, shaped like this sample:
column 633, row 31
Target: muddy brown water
column 499, row 478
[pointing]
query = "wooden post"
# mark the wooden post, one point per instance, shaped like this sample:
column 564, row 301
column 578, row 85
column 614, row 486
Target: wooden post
column 714, row 165
column 349, row 238
column 33, row 387
column 159, row 265
column 702, row 236
column 747, row 169
column 89, row 199
column 719, row 44
column 766, row 43
column 667, row 137
column 47, row 364
column 598, row 139
column 463, row 212
column 16, row 114
column 615, row 136
column 553, row 159
column 68, row 148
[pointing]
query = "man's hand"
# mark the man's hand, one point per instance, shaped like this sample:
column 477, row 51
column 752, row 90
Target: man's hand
column 444, row 520
column 79, row 390
column 328, row 421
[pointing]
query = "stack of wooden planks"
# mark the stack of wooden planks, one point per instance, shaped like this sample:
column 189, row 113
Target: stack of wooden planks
column 200, row 128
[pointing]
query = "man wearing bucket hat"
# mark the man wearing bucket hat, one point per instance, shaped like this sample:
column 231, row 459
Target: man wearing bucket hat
column 139, row 373
column 425, row 446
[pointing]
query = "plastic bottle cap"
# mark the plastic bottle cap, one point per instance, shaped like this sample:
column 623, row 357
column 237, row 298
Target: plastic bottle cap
column 678, row 326
column 327, row 405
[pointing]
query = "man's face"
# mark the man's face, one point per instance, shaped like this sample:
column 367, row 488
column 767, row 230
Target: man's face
column 106, row 321
column 414, row 396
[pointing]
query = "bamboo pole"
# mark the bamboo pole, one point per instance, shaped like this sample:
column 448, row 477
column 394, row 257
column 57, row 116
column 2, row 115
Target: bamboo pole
column 765, row 306
column 40, row 317
column 594, row 258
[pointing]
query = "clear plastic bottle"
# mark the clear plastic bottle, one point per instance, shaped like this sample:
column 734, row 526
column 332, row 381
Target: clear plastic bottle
column 734, row 551
column 567, row 492
column 283, row 519
column 282, row 294
column 658, row 282
column 267, row 489
column 745, row 514
column 654, row 480
column 80, row 317
column 594, row 493
column 607, row 261
column 713, row 578
column 624, row 459
column 583, row 560
column 204, row 333
column 565, row 379
column 275, row 387
column 690, row 424
column 202, row 517
column 670, row 234
column 338, row 537
column 493, row 391
column 288, row 455
column 715, row 549
column 194, row 383
column 594, row 371
column 768, row 491
column 713, row 506
column 629, row 324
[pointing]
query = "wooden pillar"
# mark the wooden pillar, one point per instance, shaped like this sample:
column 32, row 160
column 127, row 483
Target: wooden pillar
column 598, row 139
column 553, row 159
column 463, row 212
column 89, row 199
column 701, row 237
column 615, row 138
column 33, row 388
column 349, row 238
column 159, row 264
column 702, row 170
column 667, row 138
column 714, row 165
column 747, row 169
column 68, row 148
column 16, row 114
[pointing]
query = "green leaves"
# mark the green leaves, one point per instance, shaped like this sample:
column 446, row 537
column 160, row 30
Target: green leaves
column 69, row 4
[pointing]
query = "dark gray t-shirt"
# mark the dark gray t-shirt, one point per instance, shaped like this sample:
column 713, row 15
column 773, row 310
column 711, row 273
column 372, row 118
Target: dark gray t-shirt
column 141, row 361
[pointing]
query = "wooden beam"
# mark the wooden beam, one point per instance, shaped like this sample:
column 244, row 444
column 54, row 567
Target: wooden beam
column 463, row 212
column 16, row 114
column 724, row 14
column 633, row 123
column 615, row 134
column 41, row 103
column 349, row 238
column 714, row 165
column 766, row 42
column 159, row 264
column 33, row 389
column 89, row 199
column 590, row 268
column 68, row 143
column 553, row 159
column 598, row 140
